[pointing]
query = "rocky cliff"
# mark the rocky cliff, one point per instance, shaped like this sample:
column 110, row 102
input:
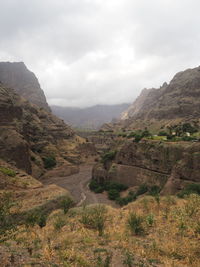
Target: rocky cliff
column 24, row 82
column 30, row 137
column 172, row 103
column 169, row 165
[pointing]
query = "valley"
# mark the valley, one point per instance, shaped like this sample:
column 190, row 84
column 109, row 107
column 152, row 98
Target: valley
column 127, row 194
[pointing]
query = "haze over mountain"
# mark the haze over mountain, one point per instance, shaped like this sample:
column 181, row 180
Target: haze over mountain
column 91, row 117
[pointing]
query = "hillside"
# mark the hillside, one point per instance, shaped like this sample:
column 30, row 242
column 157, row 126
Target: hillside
column 16, row 76
column 178, row 101
column 91, row 117
column 32, row 138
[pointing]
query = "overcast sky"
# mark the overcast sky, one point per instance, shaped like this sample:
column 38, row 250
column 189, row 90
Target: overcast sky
column 87, row 52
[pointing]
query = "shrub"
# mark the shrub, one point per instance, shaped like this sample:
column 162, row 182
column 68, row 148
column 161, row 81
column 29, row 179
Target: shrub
column 150, row 219
column 115, row 185
column 128, row 259
column 113, row 194
column 99, row 189
column 162, row 133
column 108, row 156
column 107, row 186
column 95, row 218
column 154, row 190
column 125, row 200
column 42, row 219
column 36, row 217
column 49, row 162
column 31, row 219
column 66, row 204
column 8, row 172
column 59, row 223
column 138, row 137
column 94, row 185
column 6, row 203
column 143, row 188
column 189, row 189
column 134, row 223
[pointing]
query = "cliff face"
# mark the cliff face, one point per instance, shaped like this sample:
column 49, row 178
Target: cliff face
column 179, row 101
column 168, row 165
column 29, row 134
column 18, row 77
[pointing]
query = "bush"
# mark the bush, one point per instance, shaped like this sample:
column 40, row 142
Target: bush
column 107, row 186
column 125, row 200
column 49, row 162
column 154, row 190
column 66, row 204
column 99, row 190
column 36, row 217
column 42, row 220
column 6, row 203
column 143, row 188
column 190, row 189
column 188, row 138
column 113, row 194
column 115, row 185
column 95, row 218
column 108, row 156
column 8, row 172
column 162, row 133
column 138, row 137
column 150, row 219
column 59, row 223
column 134, row 223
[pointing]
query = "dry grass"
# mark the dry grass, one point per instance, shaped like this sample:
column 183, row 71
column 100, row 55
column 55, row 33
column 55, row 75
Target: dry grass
column 171, row 240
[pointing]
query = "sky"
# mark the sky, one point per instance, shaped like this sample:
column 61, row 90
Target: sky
column 88, row 52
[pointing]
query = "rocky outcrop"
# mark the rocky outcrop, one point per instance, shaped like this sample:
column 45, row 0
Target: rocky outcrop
column 168, row 165
column 178, row 101
column 24, row 82
column 29, row 134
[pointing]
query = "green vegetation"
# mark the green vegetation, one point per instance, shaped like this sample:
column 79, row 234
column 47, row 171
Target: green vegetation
column 49, row 162
column 6, row 221
column 143, row 188
column 66, row 204
column 95, row 218
column 113, row 188
column 113, row 194
column 190, row 189
column 108, row 156
column 125, row 200
column 134, row 223
column 8, row 171
column 36, row 217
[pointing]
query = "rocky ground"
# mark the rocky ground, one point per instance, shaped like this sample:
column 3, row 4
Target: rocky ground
column 77, row 185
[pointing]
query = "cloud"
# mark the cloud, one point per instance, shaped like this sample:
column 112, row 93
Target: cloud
column 88, row 52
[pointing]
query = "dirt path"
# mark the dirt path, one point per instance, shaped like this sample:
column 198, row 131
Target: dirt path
column 77, row 185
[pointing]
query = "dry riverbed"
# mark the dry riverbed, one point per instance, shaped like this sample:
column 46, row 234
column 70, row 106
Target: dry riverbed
column 77, row 185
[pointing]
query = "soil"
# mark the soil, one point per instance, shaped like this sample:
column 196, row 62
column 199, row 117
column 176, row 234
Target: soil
column 77, row 185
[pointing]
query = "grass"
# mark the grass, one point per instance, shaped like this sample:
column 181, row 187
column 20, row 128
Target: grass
column 8, row 171
column 171, row 240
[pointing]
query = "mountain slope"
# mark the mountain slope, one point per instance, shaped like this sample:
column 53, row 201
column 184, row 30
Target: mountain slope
column 91, row 117
column 176, row 102
column 29, row 135
column 16, row 76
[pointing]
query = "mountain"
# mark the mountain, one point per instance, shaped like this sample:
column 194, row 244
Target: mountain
column 178, row 101
column 30, row 137
column 16, row 75
column 91, row 117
